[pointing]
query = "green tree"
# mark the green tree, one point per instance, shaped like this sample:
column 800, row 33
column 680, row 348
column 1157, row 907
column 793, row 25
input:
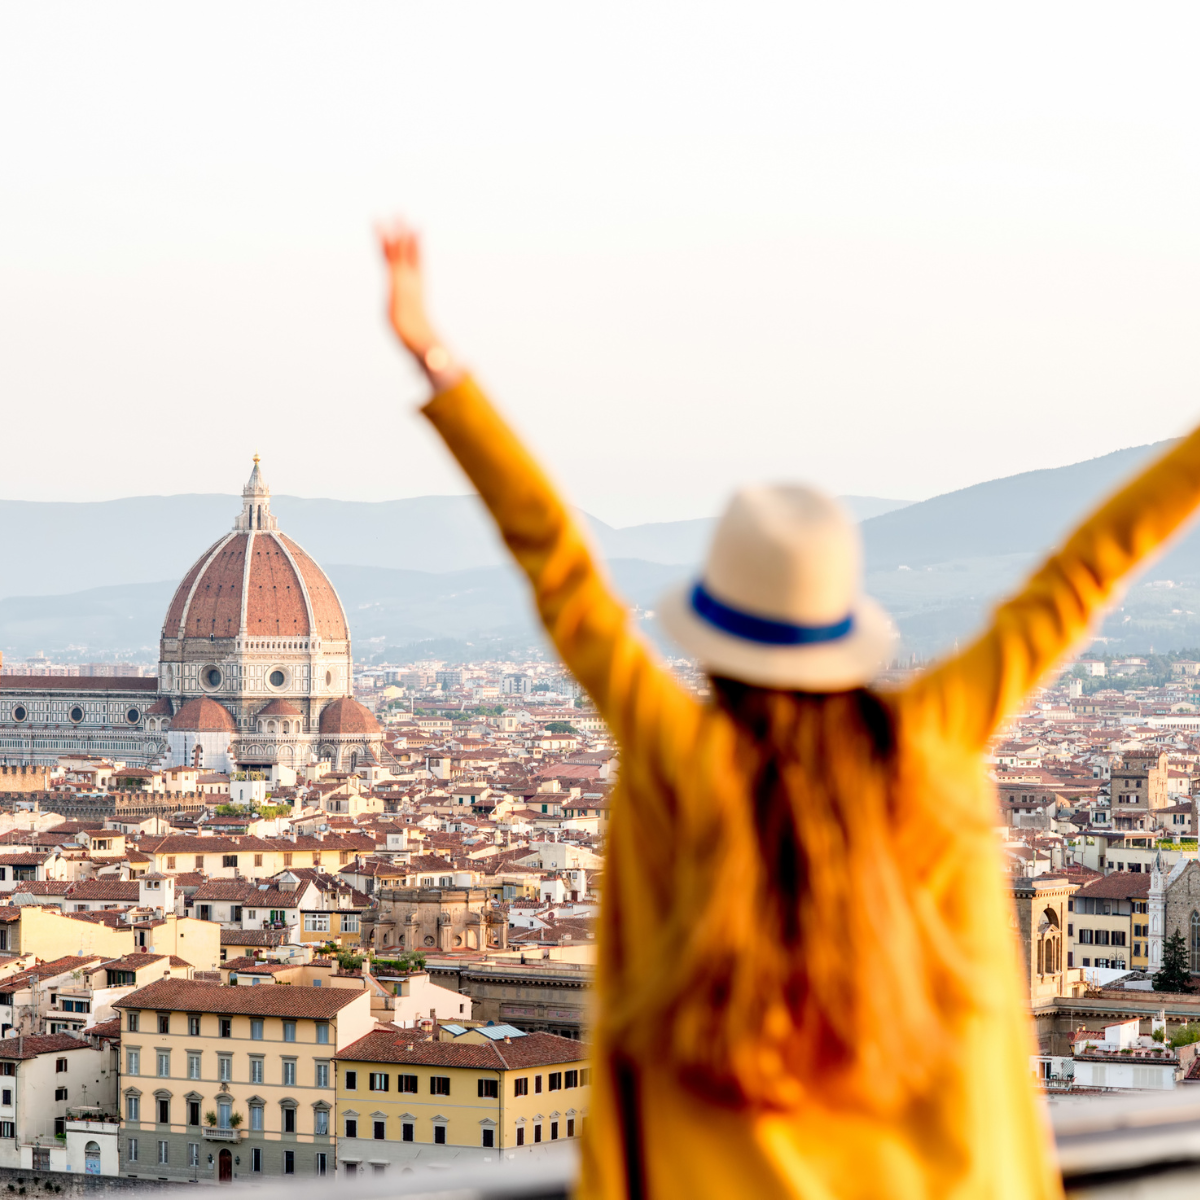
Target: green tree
column 1185, row 1035
column 560, row 727
column 1174, row 975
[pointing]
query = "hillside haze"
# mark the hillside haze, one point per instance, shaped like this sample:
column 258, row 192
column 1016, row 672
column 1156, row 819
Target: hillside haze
column 432, row 567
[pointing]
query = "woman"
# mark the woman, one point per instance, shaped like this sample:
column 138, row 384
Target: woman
column 808, row 984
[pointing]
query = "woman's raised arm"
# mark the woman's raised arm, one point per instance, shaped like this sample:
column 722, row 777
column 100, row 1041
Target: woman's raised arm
column 970, row 694
column 638, row 699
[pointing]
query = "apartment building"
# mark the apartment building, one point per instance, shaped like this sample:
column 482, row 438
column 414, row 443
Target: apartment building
column 222, row 1083
column 1109, row 922
column 45, row 1082
column 1139, row 787
column 472, row 1095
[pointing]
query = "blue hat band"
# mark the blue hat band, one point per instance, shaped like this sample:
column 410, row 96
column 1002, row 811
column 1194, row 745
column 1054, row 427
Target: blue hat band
column 763, row 630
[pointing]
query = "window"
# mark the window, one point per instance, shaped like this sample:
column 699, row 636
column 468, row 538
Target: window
column 322, row 1074
column 289, row 1031
column 256, row 1118
column 193, row 1025
column 225, row 1068
column 289, row 1120
column 379, row 1130
column 322, row 1034
column 489, row 1089
column 193, row 1112
column 439, row 1135
column 521, row 1087
column 554, row 1131
column 164, row 1022
column 537, row 1133
column 133, row 1108
column 571, row 1079
column 193, row 1154
column 131, row 1022
column 349, row 922
column 229, row 860
column 287, row 858
column 1118, row 937
column 131, row 1150
column 256, row 1030
column 351, row 1081
column 406, row 1132
column 520, row 1135
column 199, row 862
column 351, row 1127
column 193, row 1066
column 537, row 1084
column 556, row 1081
column 585, row 1076
column 289, row 1072
column 258, row 860
column 316, row 922
column 226, row 1027
column 439, row 1085
column 60, row 1093
column 489, row 1138
column 570, row 1127
column 133, row 1062
column 256, row 1160
column 224, row 1113
column 6, row 1097
column 377, row 1081
column 170, row 862
column 289, row 1160
column 406, row 1083
column 321, row 1122
column 164, row 1064
column 164, row 1112
column 321, row 1164
column 256, row 1070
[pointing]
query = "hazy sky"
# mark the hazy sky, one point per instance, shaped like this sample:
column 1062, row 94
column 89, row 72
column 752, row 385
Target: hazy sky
column 894, row 249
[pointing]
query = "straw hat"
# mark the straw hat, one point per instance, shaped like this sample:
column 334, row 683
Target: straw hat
column 780, row 601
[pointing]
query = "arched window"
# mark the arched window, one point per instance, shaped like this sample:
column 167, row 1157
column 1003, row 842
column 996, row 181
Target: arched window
column 1194, row 964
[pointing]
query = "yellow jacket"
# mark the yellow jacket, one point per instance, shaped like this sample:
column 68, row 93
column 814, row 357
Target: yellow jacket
column 980, row 1131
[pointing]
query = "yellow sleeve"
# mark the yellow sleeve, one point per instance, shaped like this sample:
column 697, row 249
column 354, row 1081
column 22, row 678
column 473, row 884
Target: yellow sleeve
column 969, row 695
column 642, row 705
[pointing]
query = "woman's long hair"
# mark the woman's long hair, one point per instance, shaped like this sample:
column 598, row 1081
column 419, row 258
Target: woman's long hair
column 819, row 970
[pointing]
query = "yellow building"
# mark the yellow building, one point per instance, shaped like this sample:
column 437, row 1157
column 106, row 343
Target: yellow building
column 472, row 1095
column 220, row 1083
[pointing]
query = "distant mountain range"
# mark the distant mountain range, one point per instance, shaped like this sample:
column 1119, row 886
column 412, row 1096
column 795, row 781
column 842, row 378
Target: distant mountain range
column 433, row 568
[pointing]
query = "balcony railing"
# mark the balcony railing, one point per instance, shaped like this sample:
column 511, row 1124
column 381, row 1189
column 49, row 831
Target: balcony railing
column 214, row 1133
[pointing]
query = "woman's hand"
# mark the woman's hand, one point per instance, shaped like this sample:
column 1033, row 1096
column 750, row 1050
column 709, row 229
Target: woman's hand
column 406, row 305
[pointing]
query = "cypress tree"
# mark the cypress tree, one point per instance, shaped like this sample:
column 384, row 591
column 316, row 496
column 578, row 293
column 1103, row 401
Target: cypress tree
column 1174, row 976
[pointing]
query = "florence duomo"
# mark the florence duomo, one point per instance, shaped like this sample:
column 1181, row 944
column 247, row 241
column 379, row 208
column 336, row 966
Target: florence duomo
column 255, row 672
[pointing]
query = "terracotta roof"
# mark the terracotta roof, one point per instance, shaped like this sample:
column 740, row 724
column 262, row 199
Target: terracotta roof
column 160, row 708
column 106, row 1029
column 43, row 887
column 134, row 960
column 105, row 889
column 17, row 859
column 347, row 716
column 256, row 966
column 183, row 995
column 327, row 608
column 76, row 683
column 279, row 708
column 1120, row 885
column 532, row 1050
column 253, row 937
column 31, row 1047
column 202, row 714
column 47, row 970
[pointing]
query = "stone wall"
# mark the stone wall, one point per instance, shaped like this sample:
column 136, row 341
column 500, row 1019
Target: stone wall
column 44, row 1184
column 1182, row 899
column 24, row 779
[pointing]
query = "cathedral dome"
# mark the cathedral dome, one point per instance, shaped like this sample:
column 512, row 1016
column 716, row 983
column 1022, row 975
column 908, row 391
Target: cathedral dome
column 203, row 715
column 256, row 583
column 347, row 716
